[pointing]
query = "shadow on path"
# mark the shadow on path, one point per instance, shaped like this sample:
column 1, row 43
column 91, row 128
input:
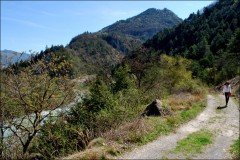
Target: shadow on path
column 221, row 107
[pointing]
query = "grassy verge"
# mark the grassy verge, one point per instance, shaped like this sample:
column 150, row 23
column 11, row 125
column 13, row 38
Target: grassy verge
column 235, row 149
column 194, row 143
column 144, row 130
column 169, row 124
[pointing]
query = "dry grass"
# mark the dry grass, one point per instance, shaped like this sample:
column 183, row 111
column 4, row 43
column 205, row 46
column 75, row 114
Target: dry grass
column 128, row 131
column 130, row 134
column 90, row 154
column 182, row 101
column 107, row 150
column 115, row 141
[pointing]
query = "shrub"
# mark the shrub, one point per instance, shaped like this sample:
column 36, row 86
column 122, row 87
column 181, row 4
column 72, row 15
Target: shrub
column 58, row 139
column 169, row 76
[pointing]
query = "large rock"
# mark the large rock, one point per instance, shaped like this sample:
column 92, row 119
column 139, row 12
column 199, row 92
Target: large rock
column 153, row 109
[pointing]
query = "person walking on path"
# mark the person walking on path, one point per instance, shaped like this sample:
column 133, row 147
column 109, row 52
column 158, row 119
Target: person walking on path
column 227, row 91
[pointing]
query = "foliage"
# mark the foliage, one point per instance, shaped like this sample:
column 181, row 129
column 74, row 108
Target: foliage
column 205, row 38
column 228, row 61
column 120, row 42
column 97, row 112
column 87, row 112
column 101, row 51
column 90, row 118
column 169, row 75
column 138, row 61
column 28, row 94
column 58, row 138
column 62, row 58
column 123, row 79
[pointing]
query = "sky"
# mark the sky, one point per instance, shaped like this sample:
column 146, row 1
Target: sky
column 31, row 26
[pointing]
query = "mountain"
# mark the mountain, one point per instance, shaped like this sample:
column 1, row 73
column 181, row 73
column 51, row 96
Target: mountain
column 97, row 51
column 93, row 52
column 9, row 57
column 106, row 48
column 146, row 24
column 209, row 38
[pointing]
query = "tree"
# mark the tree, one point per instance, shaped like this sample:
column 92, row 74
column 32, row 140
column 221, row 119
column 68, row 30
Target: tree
column 123, row 79
column 169, row 76
column 100, row 97
column 233, row 45
column 30, row 96
column 217, row 43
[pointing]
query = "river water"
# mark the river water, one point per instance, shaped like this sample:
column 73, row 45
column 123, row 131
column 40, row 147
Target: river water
column 26, row 120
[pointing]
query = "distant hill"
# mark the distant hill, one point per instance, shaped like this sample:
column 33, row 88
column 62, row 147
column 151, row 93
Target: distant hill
column 9, row 57
column 146, row 24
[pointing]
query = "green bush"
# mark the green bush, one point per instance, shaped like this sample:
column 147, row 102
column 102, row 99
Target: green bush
column 58, row 139
column 107, row 106
column 170, row 75
column 122, row 79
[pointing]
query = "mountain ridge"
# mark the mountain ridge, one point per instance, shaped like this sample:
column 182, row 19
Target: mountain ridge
column 107, row 48
column 155, row 19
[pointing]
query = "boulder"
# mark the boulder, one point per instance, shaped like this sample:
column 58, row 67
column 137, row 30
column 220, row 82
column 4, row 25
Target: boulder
column 153, row 109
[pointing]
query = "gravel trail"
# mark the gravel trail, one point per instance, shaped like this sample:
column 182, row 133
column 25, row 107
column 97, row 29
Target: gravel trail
column 224, row 123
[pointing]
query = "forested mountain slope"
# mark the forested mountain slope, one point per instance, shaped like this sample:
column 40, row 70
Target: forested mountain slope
column 210, row 38
column 90, row 53
column 146, row 24
column 96, row 51
column 105, row 49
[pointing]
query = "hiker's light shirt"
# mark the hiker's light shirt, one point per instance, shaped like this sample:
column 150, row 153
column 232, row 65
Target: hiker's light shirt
column 227, row 88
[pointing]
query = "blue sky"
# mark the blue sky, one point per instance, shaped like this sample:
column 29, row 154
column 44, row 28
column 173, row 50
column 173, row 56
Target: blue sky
column 33, row 25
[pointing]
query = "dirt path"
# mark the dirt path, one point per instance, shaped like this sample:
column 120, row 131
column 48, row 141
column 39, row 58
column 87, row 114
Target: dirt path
column 224, row 123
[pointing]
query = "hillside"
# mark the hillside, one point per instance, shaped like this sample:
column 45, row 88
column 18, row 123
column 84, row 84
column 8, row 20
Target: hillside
column 96, row 51
column 146, row 24
column 105, row 49
column 9, row 57
column 209, row 38
column 91, row 53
